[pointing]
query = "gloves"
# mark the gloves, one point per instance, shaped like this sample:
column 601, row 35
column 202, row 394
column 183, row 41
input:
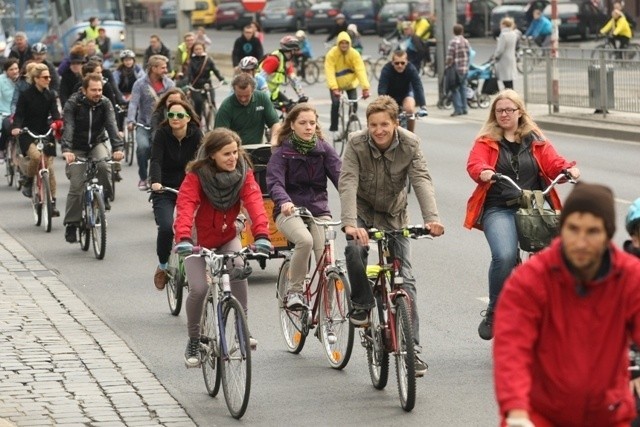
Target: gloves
column 56, row 126
column 184, row 248
column 365, row 93
column 263, row 246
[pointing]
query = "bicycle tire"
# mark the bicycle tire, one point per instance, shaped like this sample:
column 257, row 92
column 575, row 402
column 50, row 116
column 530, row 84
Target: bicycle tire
column 429, row 70
column 209, row 350
column 129, row 146
column 235, row 366
column 377, row 356
column 377, row 66
column 311, row 73
column 9, row 171
column 36, row 202
column 175, row 284
column 353, row 125
column 405, row 356
column 99, row 226
column 47, row 202
column 368, row 67
column 292, row 322
column 334, row 322
column 604, row 48
column 484, row 100
column 210, row 119
column 112, row 181
column 526, row 65
column 84, row 237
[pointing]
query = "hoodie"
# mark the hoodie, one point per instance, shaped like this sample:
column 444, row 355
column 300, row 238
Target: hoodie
column 345, row 70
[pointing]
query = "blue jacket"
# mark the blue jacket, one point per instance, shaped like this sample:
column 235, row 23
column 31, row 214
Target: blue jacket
column 302, row 179
column 7, row 88
column 539, row 27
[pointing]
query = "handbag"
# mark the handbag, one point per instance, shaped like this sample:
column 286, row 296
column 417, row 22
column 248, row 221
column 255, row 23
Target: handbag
column 535, row 225
column 490, row 86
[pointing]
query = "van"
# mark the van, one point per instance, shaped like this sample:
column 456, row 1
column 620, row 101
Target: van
column 204, row 14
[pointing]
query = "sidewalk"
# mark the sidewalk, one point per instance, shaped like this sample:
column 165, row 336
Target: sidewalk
column 60, row 364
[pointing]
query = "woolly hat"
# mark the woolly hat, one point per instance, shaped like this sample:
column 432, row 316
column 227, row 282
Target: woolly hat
column 76, row 59
column 595, row 199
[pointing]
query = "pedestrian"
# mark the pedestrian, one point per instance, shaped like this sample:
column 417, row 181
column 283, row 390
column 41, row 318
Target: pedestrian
column 458, row 56
column 564, row 322
column 509, row 143
column 505, row 53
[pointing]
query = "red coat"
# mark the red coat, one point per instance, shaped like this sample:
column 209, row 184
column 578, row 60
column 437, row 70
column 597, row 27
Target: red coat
column 563, row 354
column 210, row 222
column 484, row 155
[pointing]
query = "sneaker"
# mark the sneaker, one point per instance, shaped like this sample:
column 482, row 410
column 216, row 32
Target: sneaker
column 421, row 367
column 70, row 234
column 359, row 316
column 27, row 188
column 192, row 353
column 160, row 278
column 485, row 329
column 142, row 185
column 336, row 136
column 253, row 343
column 295, row 301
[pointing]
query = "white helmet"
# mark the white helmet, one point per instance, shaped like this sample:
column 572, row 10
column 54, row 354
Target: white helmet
column 248, row 63
column 300, row 34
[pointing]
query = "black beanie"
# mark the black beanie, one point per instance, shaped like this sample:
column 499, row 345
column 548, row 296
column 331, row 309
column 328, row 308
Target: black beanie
column 595, row 199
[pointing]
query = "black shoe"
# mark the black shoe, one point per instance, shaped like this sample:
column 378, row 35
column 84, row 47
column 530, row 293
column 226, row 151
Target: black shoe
column 54, row 211
column 70, row 234
column 117, row 177
column 455, row 114
column 359, row 316
column 485, row 329
column 107, row 204
column 192, row 353
column 27, row 188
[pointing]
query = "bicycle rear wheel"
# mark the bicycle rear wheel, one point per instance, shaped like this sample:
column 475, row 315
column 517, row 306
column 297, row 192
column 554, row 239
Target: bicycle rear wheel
column 311, row 73
column 405, row 355
column 336, row 330
column 209, row 350
column 9, row 169
column 175, row 284
column 484, row 100
column 129, row 145
column 99, row 226
column 47, row 203
column 235, row 364
column 377, row 356
column 84, row 236
column 293, row 323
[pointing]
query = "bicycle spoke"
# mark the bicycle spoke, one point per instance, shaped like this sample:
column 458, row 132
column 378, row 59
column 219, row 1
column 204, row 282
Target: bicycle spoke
column 336, row 329
column 236, row 363
column 292, row 323
column 405, row 356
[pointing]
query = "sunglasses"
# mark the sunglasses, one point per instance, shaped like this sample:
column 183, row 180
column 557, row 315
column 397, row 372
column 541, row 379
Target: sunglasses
column 46, row 77
column 399, row 63
column 172, row 115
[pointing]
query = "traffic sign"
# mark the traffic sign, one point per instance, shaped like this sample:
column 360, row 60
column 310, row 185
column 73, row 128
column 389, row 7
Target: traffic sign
column 254, row 6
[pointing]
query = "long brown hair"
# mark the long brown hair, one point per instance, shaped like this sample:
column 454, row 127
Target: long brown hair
column 161, row 105
column 286, row 130
column 526, row 125
column 187, row 107
column 212, row 142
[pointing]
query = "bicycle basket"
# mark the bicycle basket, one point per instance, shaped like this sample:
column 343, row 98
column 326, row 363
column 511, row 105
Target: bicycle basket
column 536, row 226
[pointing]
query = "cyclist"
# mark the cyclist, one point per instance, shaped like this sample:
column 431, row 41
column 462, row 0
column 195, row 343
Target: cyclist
column 103, row 42
column 400, row 80
column 509, row 143
column 304, row 54
column 356, row 42
column 277, row 68
column 88, row 115
column 156, row 47
column 564, row 322
column 201, row 66
column 71, row 76
column 127, row 73
column 540, row 29
column 21, row 48
column 619, row 31
column 174, row 145
column 218, row 182
column 145, row 93
column 159, row 114
column 35, row 105
column 91, row 32
column 39, row 52
column 249, row 65
column 7, row 89
column 371, row 198
column 339, row 26
column 183, row 53
column 246, row 45
column 632, row 223
column 413, row 45
column 423, row 29
column 297, row 175
column 344, row 69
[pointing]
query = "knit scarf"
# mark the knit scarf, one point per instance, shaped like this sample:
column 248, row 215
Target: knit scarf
column 223, row 188
column 301, row 145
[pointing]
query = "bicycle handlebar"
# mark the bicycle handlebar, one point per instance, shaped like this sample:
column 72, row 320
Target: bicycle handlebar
column 348, row 100
column 302, row 212
column 412, row 231
column 564, row 174
column 32, row 135
column 163, row 188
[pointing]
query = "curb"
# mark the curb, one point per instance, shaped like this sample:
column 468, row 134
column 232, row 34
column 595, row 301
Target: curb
column 581, row 129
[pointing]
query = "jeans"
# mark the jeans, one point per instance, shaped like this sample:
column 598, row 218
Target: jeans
column 459, row 98
column 163, row 206
column 500, row 230
column 143, row 151
column 335, row 107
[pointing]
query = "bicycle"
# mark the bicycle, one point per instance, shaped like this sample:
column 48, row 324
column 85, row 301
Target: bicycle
column 224, row 337
column 348, row 122
column 12, row 160
column 311, row 70
column 609, row 50
column 93, row 225
column 528, row 55
column 129, row 137
column 389, row 330
column 328, row 301
column 209, row 109
column 41, row 198
column 403, row 119
column 384, row 51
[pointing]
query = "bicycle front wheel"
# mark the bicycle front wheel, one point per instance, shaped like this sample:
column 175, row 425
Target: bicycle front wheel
column 36, row 202
column 311, row 73
column 175, row 284
column 47, row 203
column 9, row 170
column 292, row 322
column 99, row 226
column 129, row 146
column 377, row 356
column 405, row 355
column 235, row 363
column 84, row 236
column 336, row 330
column 209, row 349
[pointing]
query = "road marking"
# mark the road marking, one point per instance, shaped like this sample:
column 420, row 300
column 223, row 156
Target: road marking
column 483, row 299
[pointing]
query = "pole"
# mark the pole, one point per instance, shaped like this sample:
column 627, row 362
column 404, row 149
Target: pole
column 446, row 12
column 555, row 72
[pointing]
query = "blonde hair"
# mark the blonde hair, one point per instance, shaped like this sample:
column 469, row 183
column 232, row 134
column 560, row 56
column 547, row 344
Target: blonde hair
column 526, row 125
column 507, row 21
column 35, row 71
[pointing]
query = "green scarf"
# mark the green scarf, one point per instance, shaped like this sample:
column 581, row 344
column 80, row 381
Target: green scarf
column 301, row 145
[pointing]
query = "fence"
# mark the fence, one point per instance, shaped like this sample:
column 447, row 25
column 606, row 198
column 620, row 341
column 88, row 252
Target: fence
column 586, row 78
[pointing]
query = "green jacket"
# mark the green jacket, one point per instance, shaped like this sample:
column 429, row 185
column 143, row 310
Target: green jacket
column 247, row 121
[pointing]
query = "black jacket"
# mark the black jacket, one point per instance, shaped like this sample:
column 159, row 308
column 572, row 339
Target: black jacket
column 164, row 51
column 21, row 56
column 243, row 47
column 86, row 122
column 69, row 82
column 169, row 157
column 199, row 71
column 35, row 110
column 398, row 85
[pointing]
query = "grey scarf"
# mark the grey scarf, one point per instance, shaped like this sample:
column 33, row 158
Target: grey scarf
column 223, row 188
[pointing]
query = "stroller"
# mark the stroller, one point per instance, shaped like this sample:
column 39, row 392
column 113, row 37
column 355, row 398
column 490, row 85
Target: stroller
column 476, row 98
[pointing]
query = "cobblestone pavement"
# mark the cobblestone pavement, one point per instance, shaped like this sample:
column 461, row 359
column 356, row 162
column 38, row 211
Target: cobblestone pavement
column 60, row 364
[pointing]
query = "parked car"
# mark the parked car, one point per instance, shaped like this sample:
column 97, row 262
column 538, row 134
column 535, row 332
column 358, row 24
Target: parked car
column 168, row 13
column 475, row 15
column 284, row 14
column 578, row 18
column 362, row 13
column 231, row 13
column 401, row 10
column 322, row 15
column 204, row 13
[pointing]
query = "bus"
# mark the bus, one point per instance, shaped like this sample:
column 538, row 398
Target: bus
column 57, row 23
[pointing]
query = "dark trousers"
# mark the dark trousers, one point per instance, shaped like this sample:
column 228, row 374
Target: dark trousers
column 163, row 207
column 5, row 133
column 508, row 84
column 335, row 107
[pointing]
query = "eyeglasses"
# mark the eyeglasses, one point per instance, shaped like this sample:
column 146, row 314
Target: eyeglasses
column 180, row 116
column 509, row 111
column 399, row 63
column 46, row 77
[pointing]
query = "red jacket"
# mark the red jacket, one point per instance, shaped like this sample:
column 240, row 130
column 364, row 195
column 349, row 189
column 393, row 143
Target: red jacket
column 562, row 354
column 484, row 155
column 213, row 227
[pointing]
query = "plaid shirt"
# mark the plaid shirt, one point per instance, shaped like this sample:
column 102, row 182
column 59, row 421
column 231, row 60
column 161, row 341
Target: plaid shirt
column 458, row 53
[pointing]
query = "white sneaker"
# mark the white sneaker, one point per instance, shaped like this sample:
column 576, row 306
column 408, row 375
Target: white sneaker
column 253, row 343
column 295, row 301
column 335, row 135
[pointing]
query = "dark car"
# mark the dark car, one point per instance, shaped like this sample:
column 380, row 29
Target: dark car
column 578, row 18
column 362, row 13
column 168, row 13
column 475, row 15
column 284, row 14
column 231, row 13
column 322, row 16
column 393, row 12
column 515, row 9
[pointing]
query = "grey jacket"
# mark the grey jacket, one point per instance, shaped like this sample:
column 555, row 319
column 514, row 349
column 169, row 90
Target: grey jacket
column 505, row 54
column 372, row 185
column 144, row 99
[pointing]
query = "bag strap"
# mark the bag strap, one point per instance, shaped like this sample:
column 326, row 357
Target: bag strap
column 204, row 65
column 532, row 200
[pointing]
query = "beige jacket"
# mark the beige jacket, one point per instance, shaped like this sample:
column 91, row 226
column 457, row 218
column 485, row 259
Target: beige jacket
column 373, row 185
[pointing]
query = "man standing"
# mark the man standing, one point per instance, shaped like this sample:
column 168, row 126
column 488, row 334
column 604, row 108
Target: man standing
column 458, row 57
column 21, row 49
column 86, row 116
column 246, row 45
column 563, row 324
column 144, row 96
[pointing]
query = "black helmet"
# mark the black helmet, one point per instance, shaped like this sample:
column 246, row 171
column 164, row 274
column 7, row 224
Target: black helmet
column 289, row 42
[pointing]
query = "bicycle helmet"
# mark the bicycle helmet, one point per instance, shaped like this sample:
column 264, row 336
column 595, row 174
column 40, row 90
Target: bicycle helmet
column 127, row 54
column 288, row 43
column 248, row 63
column 340, row 16
column 300, row 34
column 39, row 48
column 633, row 216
